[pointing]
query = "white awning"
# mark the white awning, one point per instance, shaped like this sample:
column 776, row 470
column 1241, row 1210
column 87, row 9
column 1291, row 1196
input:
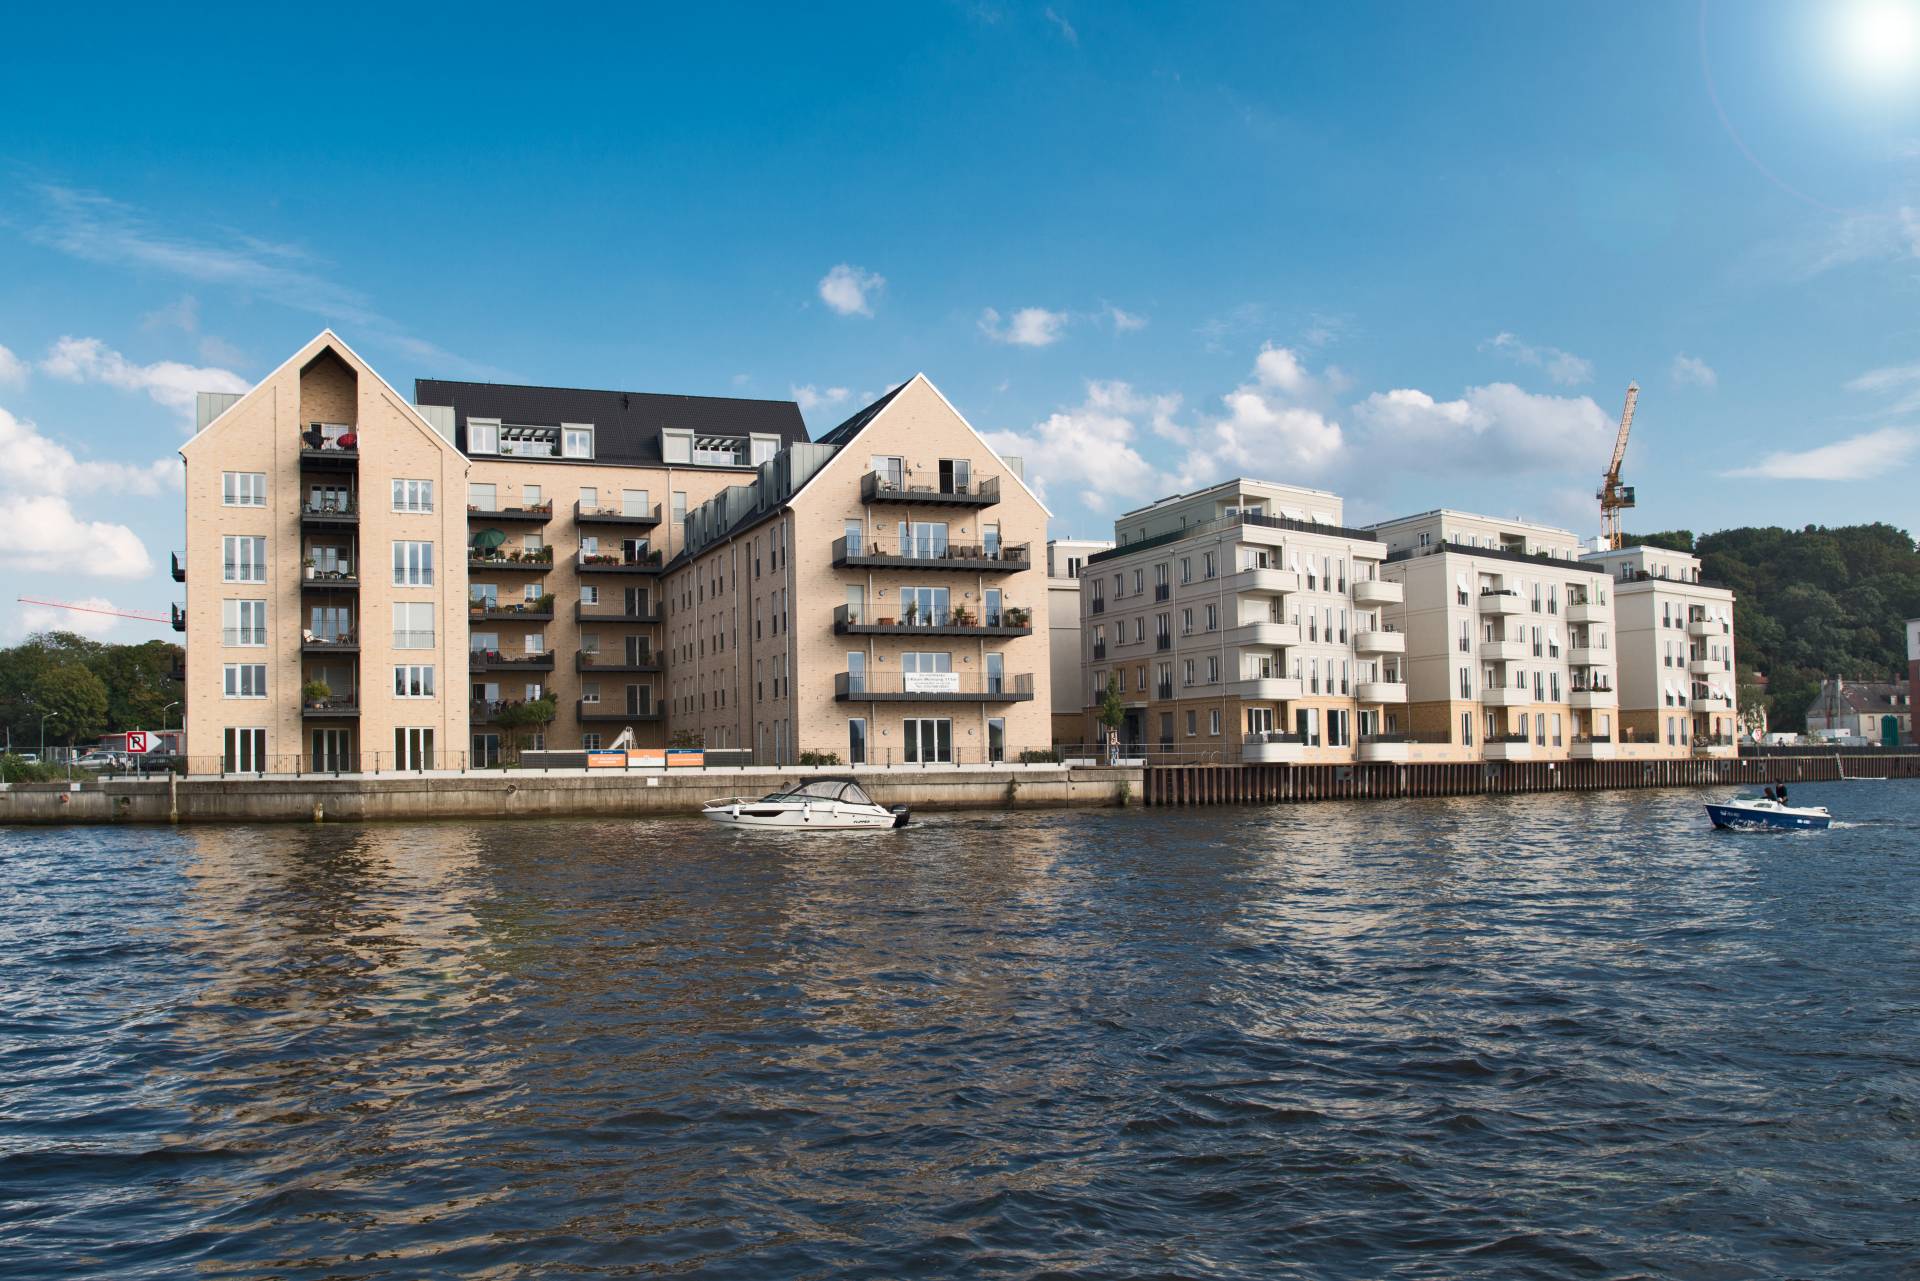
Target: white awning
column 1553, row 634
column 1462, row 580
column 1295, row 558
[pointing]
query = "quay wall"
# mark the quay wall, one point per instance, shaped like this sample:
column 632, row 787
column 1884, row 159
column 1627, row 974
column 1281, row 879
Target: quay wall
column 196, row 799
column 1263, row 784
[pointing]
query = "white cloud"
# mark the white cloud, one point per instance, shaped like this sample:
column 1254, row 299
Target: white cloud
column 1093, row 447
column 1125, row 321
column 13, row 370
column 43, row 533
column 1890, row 378
column 1855, row 458
column 168, row 382
column 1028, row 327
column 810, row 397
column 33, row 463
column 183, row 313
column 1067, row 32
column 45, row 618
column 1497, row 428
column 849, row 290
column 1691, row 371
column 1562, row 367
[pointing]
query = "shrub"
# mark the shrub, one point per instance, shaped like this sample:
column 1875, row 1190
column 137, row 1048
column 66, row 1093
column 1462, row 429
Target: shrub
column 316, row 691
column 1039, row 756
column 15, row 770
column 819, row 758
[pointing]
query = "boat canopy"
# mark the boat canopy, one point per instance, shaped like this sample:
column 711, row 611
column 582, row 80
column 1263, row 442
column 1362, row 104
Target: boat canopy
column 826, row 789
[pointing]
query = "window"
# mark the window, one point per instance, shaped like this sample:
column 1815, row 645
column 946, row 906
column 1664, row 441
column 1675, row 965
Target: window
column 483, row 435
column 415, row 496
column 590, row 742
column 1193, row 723
column 413, row 626
column 1207, row 561
column 928, row 740
column 412, row 748
column 243, row 488
column 412, row 564
column 243, row 559
column 245, row 680
column 243, row 622
column 1466, row 728
column 857, row 741
column 530, row 495
column 480, row 498
column 892, row 471
column 413, row 681
column 676, row 446
column 589, row 498
column 590, row 691
column 1466, row 682
column 633, row 502
column 1213, row 722
column 576, row 440
column 245, row 752
column 762, row 449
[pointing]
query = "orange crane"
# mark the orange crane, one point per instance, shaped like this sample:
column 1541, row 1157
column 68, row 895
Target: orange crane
column 1613, row 495
column 92, row 609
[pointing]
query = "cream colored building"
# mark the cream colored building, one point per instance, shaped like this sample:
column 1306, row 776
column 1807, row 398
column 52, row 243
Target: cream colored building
column 324, row 531
column 1509, row 639
column 1674, row 636
column 873, row 596
column 1066, row 560
column 1243, row 622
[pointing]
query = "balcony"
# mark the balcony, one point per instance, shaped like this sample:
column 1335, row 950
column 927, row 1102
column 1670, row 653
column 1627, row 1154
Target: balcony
column 616, row 563
column 498, row 562
column 610, row 613
column 178, row 617
column 1380, row 641
column 1378, row 591
column 629, row 714
column 1263, row 582
column 1505, row 696
column 931, row 687
column 329, row 457
column 1380, row 691
column 509, row 660
column 1507, row 747
column 1267, row 634
column 1385, row 747
column 1009, row 620
column 1593, row 696
column 868, row 553
column 1266, row 689
column 1701, row 628
column 532, row 611
column 341, row 707
column 1711, row 703
column 645, row 661
column 1501, row 602
column 1587, row 655
column 1706, row 666
column 536, row 515
column 1583, row 611
column 876, row 487
column 342, row 513
column 1592, row 749
column 1272, row 749
column 616, row 516
column 1505, row 651
column 330, row 580
column 179, row 566
column 345, row 643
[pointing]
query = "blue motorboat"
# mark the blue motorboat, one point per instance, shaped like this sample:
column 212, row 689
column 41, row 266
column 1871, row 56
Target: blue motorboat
column 1763, row 813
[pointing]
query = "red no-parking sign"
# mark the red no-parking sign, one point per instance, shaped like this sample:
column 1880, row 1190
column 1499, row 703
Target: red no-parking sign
column 137, row 744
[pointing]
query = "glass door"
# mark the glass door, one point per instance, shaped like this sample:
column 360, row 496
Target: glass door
column 929, row 740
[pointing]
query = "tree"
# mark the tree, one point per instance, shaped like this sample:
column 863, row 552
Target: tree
column 516, row 718
column 77, row 701
column 1113, row 712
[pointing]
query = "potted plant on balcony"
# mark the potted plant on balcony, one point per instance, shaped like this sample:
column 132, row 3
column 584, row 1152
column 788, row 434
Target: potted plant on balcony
column 306, row 567
column 316, row 693
column 1018, row 615
column 912, row 612
column 962, row 616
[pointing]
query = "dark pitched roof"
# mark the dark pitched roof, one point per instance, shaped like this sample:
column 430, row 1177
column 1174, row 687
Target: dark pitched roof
column 627, row 424
column 847, row 430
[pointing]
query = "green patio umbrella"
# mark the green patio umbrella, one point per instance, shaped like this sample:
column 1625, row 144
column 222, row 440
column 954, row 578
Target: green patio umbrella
column 488, row 539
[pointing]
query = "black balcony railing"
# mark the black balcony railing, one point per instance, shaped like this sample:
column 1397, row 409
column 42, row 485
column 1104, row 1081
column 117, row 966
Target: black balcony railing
column 611, row 612
column 1163, row 641
column 643, row 519
column 535, row 560
column 528, row 611
column 1163, row 692
column 1007, row 620
column 933, row 687
column 644, row 562
column 880, row 487
column 931, row 553
column 484, row 659
column 179, row 567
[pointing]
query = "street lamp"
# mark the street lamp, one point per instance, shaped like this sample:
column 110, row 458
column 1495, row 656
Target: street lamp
column 165, row 720
column 43, row 735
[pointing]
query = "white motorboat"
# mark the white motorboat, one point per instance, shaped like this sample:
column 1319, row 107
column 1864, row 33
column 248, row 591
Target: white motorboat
column 1754, row 813
column 828, row 804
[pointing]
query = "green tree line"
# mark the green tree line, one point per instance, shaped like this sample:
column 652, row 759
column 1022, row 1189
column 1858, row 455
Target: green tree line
column 90, row 687
column 1810, row 603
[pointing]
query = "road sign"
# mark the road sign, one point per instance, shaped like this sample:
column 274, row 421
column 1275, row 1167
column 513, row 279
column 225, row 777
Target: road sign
column 137, row 744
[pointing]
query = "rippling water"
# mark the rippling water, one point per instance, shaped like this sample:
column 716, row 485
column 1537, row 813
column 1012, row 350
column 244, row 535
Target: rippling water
column 1563, row 1036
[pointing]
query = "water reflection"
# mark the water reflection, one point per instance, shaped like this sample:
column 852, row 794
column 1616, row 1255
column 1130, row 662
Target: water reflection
column 1461, row 1036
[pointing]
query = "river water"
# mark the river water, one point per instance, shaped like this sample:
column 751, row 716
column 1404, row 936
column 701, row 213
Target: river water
column 1542, row 1036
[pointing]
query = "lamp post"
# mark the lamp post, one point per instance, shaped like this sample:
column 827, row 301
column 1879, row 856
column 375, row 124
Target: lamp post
column 166, row 722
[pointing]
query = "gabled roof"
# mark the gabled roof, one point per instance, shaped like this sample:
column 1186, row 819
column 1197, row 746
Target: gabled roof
column 847, row 430
column 627, row 424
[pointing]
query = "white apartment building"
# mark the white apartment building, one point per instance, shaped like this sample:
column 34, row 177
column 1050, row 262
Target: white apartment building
column 1674, row 638
column 1066, row 560
column 1243, row 622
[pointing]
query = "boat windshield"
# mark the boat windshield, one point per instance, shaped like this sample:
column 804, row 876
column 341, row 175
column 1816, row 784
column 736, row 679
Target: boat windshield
column 823, row 790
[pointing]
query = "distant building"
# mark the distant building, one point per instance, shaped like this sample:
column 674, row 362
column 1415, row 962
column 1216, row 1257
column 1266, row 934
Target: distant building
column 1066, row 559
column 1879, row 711
column 1913, row 672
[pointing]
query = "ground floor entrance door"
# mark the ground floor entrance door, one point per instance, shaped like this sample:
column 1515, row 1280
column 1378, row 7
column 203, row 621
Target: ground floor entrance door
column 486, row 751
column 332, row 751
column 928, row 740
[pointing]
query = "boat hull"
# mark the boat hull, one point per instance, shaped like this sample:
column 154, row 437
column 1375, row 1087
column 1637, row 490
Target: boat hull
column 1736, row 818
column 806, row 818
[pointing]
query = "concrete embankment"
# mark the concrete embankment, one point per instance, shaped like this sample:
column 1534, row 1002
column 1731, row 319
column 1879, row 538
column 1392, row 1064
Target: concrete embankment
column 524, row 794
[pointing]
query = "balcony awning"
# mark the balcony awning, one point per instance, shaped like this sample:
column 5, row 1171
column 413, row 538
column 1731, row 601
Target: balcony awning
column 1460, row 580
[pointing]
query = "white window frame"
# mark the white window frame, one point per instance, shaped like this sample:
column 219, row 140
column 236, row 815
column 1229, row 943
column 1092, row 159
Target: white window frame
column 413, row 497
column 243, row 680
column 248, row 568
column 407, row 636
column 413, row 680
column 236, row 631
column 576, row 440
column 243, row 489
column 412, row 563
column 483, row 435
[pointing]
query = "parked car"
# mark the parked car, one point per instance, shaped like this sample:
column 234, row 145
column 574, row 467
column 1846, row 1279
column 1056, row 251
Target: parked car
column 104, row 762
column 31, row 758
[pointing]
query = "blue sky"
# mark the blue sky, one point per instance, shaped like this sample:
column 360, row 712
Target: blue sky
column 1410, row 252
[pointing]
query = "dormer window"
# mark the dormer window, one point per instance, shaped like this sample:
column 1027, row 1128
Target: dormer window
column 577, row 439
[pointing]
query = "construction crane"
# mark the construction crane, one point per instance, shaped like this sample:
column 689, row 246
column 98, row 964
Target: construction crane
column 92, row 609
column 1613, row 495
